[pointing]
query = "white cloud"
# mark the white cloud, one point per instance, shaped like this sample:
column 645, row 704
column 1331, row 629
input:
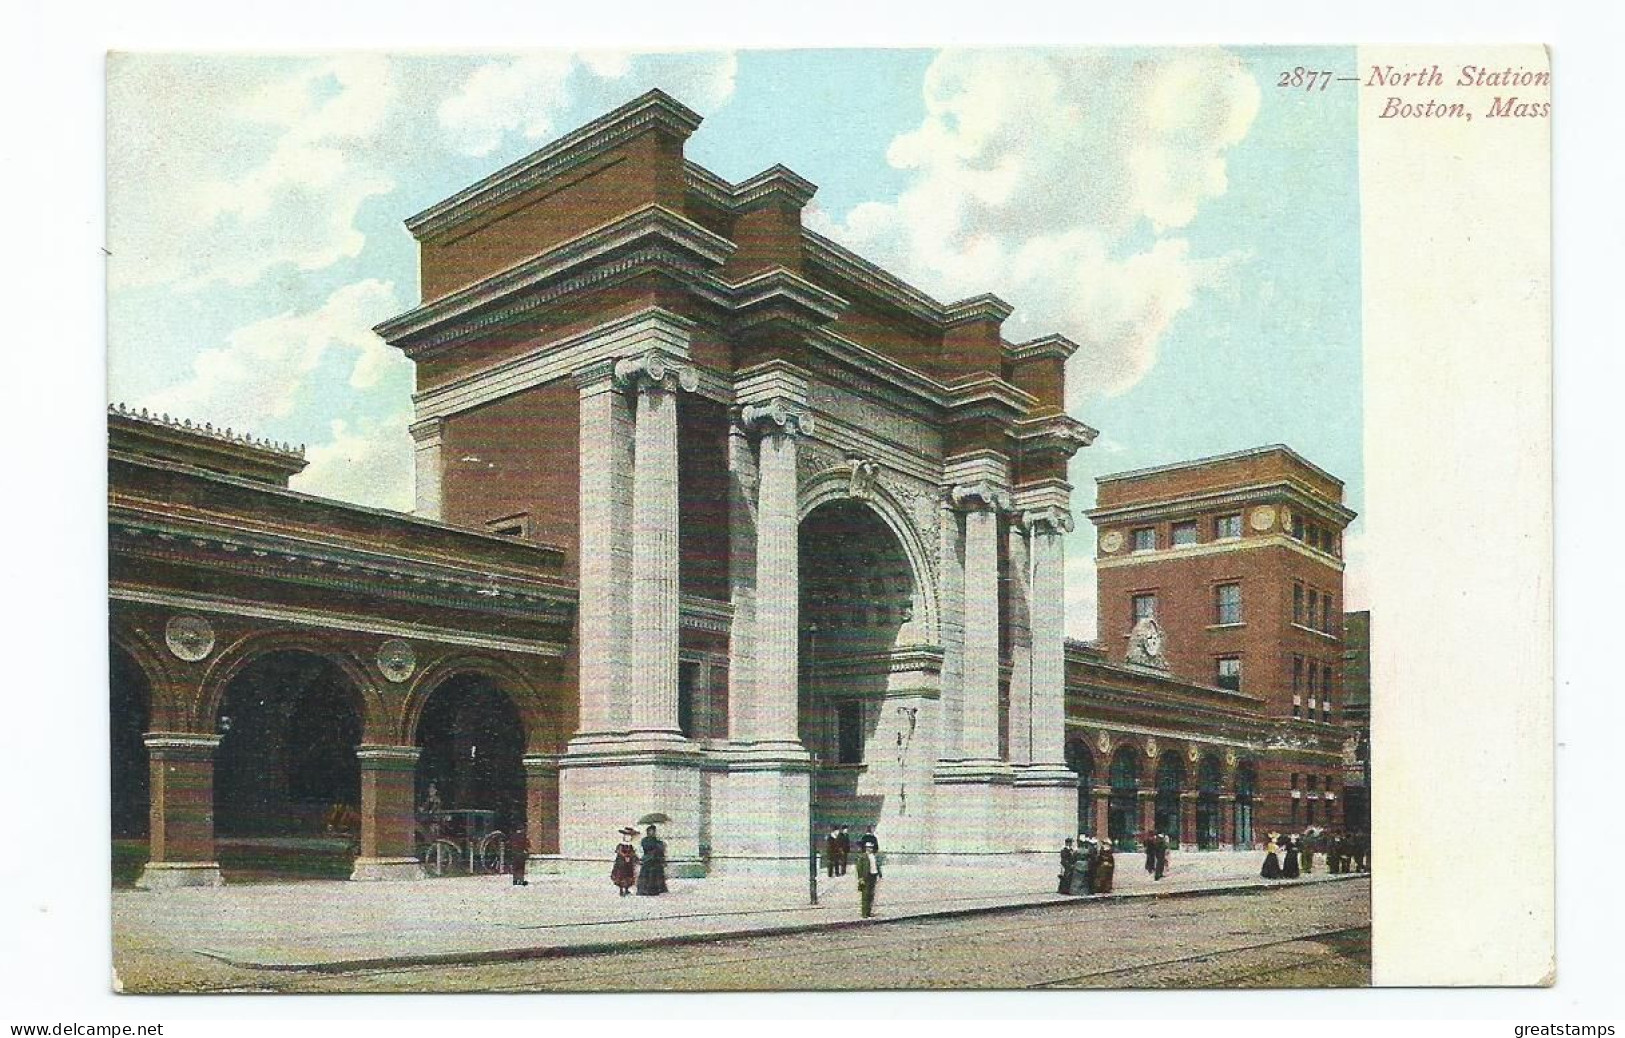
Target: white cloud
column 1081, row 595
column 222, row 170
column 264, row 367
column 1055, row 180
column 370, row 465
column 526, row 96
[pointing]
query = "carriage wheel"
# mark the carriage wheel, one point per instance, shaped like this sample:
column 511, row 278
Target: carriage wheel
column 494, row 852
column 441, row 857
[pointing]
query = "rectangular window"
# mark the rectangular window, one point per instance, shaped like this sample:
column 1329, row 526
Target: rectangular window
column 1294, row 812
column 1145, row 538
column 1297, row 527
column 1314, row 782
column 1311, row 813
column 1297, row 674
column 1297, row 709
column 1326, row 680
column 849, row 731
column 1226, row 527
column 1326, row 711
column 1314, row 606
column 1143, row 606
column 1297, row 603
column 1227, row 604
column 1314, row 675
column 1184, row 533
column 1326, row 612
column 1294, row 780
column 688, row 679
column 1229, row 673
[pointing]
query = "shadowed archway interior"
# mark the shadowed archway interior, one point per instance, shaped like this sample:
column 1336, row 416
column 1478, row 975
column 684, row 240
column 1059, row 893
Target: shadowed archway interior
column 473, row 744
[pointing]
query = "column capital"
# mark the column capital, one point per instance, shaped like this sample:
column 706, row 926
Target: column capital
column 982, row 495
column 181, row 745
column 426, row 432
column 1188, row 794
column 1051, row 519
column 775, row 415
column 656, row 370
column 375, row 757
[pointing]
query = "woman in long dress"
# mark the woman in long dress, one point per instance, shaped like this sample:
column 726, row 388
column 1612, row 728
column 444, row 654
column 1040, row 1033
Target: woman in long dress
column 1083, row 869
column 652, row 877
column 1272, row 859
column 624, row 873
column 1105, row 865
column 1289, row 857
column 1069, row 859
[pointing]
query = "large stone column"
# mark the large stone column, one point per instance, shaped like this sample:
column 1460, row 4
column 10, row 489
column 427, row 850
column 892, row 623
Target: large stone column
column 975, row 808
column 1019, row 624
column 654, row 380
column 427, row 467
column 181, row 830
column 605, row 555
column 1227, row 822
column 388, row 814
column 542, row 810
column 1044, row 784
column 1187, row 821
column 1102, row 796
column 767, row 790
column 629, row 758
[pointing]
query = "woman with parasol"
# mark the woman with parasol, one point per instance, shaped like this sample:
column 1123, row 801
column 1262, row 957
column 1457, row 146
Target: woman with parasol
column 652, row 876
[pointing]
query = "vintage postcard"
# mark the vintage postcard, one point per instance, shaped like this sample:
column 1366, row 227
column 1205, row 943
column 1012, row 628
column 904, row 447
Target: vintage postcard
column 823, row 519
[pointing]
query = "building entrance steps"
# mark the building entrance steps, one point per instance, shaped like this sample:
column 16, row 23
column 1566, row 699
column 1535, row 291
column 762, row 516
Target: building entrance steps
column 339, row 926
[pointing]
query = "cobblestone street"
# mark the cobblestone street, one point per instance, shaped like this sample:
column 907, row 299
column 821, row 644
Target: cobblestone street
column 1315, row 935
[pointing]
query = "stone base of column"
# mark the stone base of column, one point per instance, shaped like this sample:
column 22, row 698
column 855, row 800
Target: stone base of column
column 762, row 812
column 1046, row 804
column 607, row 782
column 170, row 875
column 379, row 869
column 972, row 810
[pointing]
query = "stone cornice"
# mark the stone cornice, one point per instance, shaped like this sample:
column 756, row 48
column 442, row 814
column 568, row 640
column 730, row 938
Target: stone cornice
column 845, row 263
column 987, row 396
column 985, row 307
column 1281, row 448
column 653, row 111
column 1284, row 491
column 1059, row 433
column 776, row 183
column 1225, row 547
column 283, row 454
column 1057, row 347
column 293, row 559
column 780, row 295
column 652, row 237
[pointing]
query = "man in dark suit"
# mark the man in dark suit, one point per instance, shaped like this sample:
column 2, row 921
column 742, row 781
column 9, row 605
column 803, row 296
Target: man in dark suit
column 832, row 852
column 843, row 850
column 868, row 877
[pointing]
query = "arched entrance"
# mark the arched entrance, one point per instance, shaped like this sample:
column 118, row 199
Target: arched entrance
column 471, row 767
column 287, row 785
column 1170, row 781
column 1209, row 820
column 1246, row 782
column 1122, row 809
column 859, row 602
column 1082, row 762
column 129, row 710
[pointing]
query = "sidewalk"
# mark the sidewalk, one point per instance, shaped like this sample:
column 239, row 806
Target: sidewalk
column 339, row 926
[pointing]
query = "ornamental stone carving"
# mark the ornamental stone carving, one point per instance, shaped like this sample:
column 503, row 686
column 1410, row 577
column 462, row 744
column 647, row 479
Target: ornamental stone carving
column 1103, row 742
column 655, row 370
column 190, row 638
column 1263, row 518
column 1230, row 759
column 1146, row 644
column 1151, row 748
column 983, row 494
column 861, row 482
column 1111, row 542
column 396, row 660
column 1194, row 753
column 1048, row 520
column 777, row 415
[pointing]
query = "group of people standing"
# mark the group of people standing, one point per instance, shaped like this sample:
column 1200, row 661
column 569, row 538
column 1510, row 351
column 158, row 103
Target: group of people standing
column 838, row 855
column 646, row 872
column 1156, row 853
column 1291, row 856
column 1087, row 867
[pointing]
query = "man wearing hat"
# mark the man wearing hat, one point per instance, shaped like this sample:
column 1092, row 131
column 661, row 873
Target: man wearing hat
column 624, row 873
column 868, row 876
column 521, row 857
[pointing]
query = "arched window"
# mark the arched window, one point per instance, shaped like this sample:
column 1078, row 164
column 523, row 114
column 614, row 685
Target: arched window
column 1081, row 761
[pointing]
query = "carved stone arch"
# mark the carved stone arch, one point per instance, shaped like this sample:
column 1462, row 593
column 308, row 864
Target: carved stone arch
column 377, row 721
column 168, row 702
column 835, row 485
column 540, row 715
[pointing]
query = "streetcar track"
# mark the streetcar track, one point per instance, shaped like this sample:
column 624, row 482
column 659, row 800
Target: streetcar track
column 1201, row 956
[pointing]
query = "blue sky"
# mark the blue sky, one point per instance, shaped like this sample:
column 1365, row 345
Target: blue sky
column 1195, row 227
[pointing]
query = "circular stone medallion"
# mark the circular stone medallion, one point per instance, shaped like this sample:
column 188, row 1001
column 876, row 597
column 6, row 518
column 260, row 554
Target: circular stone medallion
column 1230, row 758
column 396, row 660
column 1263, row 518
column 190, row 638
column 1151, row 747
column 1104, row 741
column 1111, row 541
column 1195, row 753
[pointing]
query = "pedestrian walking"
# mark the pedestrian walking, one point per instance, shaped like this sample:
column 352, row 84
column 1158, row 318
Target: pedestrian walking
column 1289, row 858
column 1362, row 852
column 624, row 873
column 1082, row 871
column 1105, row 865
column 1272, row 858
column 1069, row 859
column 652, row 876
column 868, row 877
column 520, row 848
column 1162, row 855
column 1306, row 853
column 832, row 851
column 1149, row 840
column 843, row 851
column 869, row 840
